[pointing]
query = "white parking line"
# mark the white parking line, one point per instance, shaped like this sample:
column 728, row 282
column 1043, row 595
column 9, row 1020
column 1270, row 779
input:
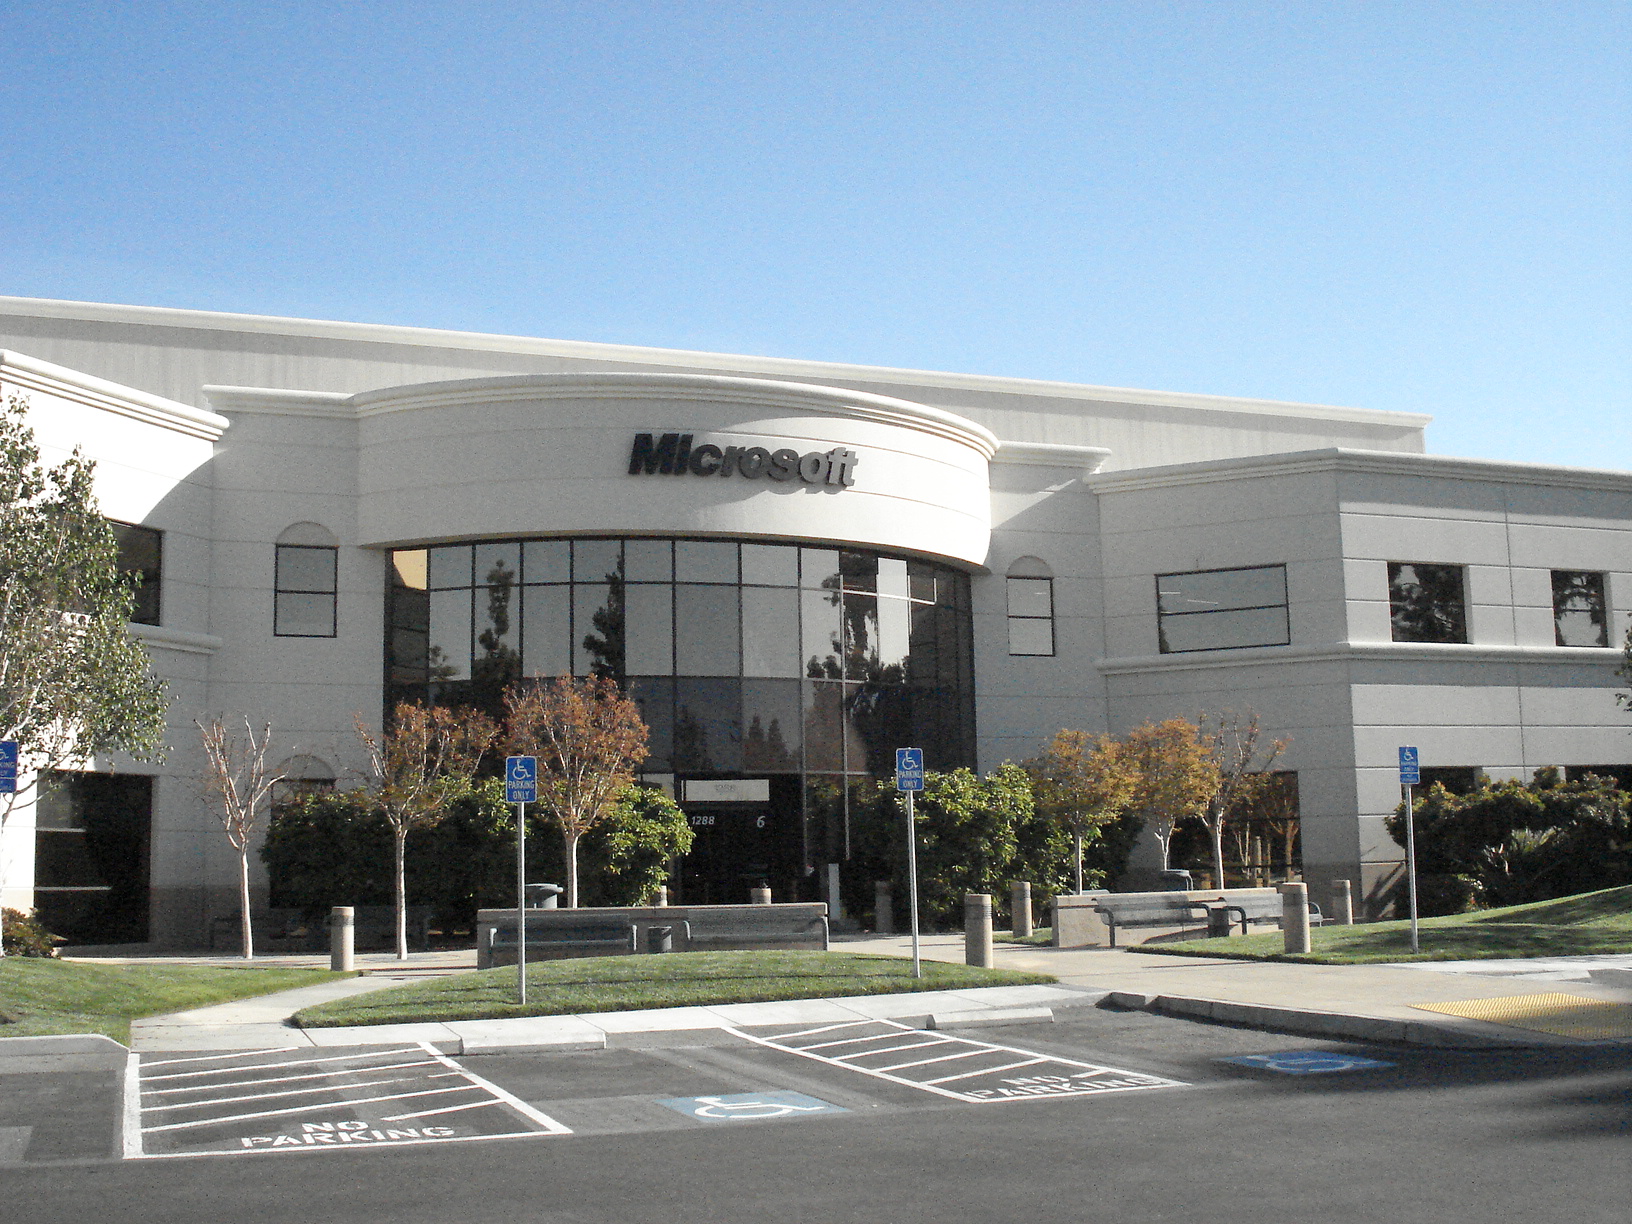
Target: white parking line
column 947, row 1079
column 170, row 1062
column 281, row 1079
column 298, row 1062
column 924, row 1062
column 278, row 1113
column 895, row 1049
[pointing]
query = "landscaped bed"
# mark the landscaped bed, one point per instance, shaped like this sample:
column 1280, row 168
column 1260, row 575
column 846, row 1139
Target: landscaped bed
column 1591, row 924
column 628, row 983
column 40, row 996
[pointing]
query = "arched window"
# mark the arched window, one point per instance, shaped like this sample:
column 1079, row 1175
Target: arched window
column 1031, row 607
column 306, row 582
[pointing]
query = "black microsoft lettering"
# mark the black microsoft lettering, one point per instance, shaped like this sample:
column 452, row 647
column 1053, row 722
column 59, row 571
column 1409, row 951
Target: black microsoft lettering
column 672, row 454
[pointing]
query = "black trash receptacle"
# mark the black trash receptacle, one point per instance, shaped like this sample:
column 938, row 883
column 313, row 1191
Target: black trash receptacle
column 659, row 939
column 1174, row 880
column 543, row 896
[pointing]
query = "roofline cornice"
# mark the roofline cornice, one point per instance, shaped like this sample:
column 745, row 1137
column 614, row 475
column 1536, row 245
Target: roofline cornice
column 737, row 363
column 31, row 374
column 1342, row 459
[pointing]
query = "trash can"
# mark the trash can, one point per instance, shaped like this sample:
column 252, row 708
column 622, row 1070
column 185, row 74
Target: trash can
column 1219, row 924
column 659, row 939
column 1174, row 880
column 542, row 896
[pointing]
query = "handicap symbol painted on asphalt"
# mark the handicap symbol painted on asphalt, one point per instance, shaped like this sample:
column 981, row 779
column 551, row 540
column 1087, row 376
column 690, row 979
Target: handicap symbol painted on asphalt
column 1307, row 1062
column 749, row 1106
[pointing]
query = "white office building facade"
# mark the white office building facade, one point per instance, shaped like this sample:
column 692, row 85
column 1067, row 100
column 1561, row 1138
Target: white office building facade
column 795, row 568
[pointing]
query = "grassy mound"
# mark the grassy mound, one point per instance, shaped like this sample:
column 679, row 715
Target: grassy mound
column 39, row 996
column 630, row 983
column 1591, row 924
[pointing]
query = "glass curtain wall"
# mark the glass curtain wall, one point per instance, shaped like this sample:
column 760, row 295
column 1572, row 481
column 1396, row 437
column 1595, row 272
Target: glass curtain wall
column 746, row 659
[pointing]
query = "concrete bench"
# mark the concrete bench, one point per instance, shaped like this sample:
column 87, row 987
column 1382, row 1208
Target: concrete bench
column 1121, row 911
column 756, row 926
column 288, row 929
column 796, row 924
column 1234, row 907
column 574, row 934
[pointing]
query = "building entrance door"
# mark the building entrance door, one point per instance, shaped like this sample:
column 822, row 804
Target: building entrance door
column 740, row 846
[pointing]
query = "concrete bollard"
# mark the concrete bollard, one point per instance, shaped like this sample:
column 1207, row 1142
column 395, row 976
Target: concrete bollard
column 1294, row 917
column 977, row 930
column 342, row 939
column 1342, row 903
column 662, row 894
column 883, row 908
column 1020, row 908
column 759, row 896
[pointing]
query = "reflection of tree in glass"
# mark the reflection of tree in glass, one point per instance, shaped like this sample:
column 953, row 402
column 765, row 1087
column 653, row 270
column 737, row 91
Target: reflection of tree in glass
column 1578, row 608
column 691, row 742
column 1426, row 603
column 831, row 665
column 499, row 664
column 605, row 644
column 766, row 749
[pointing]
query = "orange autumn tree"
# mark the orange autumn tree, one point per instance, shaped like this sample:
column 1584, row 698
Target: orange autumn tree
column 589, row 739
column 417, row 767
column 1083, row 782
column 1176, row 774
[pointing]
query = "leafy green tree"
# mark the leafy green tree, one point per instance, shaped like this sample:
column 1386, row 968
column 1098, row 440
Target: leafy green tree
column 73, row 682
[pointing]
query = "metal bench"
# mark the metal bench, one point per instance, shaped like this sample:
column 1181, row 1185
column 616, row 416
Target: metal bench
column 1120, row 911
column 750, row 927
column 571, row 935
column 1239, row 908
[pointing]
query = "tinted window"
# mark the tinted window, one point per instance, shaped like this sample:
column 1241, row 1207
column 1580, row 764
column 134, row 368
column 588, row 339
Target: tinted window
column 141, row 560
column 1427, row 603
column 1579, row 615
column 304, row 601
column 1227, row 609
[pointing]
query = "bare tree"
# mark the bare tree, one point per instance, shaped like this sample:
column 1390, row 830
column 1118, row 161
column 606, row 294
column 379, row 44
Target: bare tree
column 1083, row 782
column 589, row 739
column 1235, row 749
column 1176, row 776
column 417, row 767
column 235, row 783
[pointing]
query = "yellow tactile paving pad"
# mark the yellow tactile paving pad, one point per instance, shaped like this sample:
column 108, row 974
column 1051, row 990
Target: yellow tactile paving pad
column 1564, row 1015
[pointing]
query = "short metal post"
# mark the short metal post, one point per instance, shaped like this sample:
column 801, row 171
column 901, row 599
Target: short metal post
column 1295, row 917
column 342, row 939
column 1342, row 903
column 883, row 908
column 977, row 930
column 1020, row 908
column 759, row 896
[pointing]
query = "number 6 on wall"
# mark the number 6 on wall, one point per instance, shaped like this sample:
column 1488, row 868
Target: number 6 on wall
column 759, row 823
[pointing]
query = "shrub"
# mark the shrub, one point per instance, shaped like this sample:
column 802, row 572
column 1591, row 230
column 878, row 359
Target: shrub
column 24, row 936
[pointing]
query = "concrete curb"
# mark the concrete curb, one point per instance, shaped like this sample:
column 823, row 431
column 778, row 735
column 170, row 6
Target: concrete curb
column 61, row 1052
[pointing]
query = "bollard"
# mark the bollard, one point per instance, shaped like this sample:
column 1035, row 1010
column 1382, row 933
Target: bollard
column 759, row 895
column 1020, row 908
column 1294, row 917
column 659, row 939
column 1342, row 903
column 342, row 939
column 883, row 908
column 662, row 894
column 977, row 930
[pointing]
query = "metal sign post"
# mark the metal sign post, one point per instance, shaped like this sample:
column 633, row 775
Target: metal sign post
column 521, row 788
column 1410, row 775
column 909, row 779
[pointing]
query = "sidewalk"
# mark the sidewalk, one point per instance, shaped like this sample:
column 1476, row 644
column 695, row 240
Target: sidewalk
column 1363, row 1002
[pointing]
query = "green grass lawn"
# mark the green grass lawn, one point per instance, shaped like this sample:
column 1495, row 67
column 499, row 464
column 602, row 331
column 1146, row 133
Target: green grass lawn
column 627, row 983
column 39, row 996
column 1041, row 937
column 1596, row 923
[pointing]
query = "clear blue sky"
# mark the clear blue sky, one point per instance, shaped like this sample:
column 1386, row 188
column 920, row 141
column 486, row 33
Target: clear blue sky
column 1422, row 206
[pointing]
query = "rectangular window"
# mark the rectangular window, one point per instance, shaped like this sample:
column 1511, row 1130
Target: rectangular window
column 1579, row 616
column 1427, row 603
column 1223, row 609
column 1031, row 616
column 141, row 560
column 305, row 591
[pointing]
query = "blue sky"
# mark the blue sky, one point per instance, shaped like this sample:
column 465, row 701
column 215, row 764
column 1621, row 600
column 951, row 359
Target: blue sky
column 1420, row 206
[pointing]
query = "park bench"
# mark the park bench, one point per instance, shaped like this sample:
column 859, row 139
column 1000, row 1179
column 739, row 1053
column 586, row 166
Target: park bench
column 754, row 926
column 289, row 929
column 1243, row 906
column 572, row 934
column 1121, row 911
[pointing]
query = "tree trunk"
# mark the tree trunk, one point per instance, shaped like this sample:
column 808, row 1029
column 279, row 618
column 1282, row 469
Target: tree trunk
column 245, row 928
column 1216, row 829
column 1076, row 836
column 572, row 868
column 400, row 846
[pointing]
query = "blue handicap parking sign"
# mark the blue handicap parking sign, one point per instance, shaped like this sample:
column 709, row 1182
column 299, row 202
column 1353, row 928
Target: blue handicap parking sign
column 909, row 769
column 750, row 1106
column 521, row 779
column 1307, row 1062
column 8, row 767
column 1410, row 767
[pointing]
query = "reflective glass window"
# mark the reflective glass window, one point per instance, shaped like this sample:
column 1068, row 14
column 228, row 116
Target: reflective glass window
column 824, row 726
column 707, row 642
column 1222, row 609
column 892, row 578
column 1035, row 637
column 648, row 560
column 822, row 622
column 921, row 581
column 302, row 614
column 1579, row 610
column 1426, row 602
column 649, row 629
column 408, row 566
column 705, row 561
column 141, row 563
column 770, row 565
column 1031, row 616
column 770, row 646
column 707, row 725
column 655, row 697
column 546, row 561
column 597, row 629
column 305, row 597
column 1237, row 627
column 546, row 632
column 771, row 726
column 597, row 560
column 449, row 651
column 859, row 571
column 449, row 566
column 497, row 563
column 819, row 569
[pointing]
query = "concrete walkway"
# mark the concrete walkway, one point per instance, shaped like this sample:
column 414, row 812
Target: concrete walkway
column 1365, row 1002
